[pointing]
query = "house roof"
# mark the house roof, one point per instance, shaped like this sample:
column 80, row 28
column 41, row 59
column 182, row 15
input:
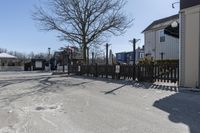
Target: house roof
column 188, row 3
column 7, row 56
column 161, row 23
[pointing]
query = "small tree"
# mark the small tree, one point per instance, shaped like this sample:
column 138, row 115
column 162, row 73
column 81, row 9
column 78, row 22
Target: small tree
column 83, row 22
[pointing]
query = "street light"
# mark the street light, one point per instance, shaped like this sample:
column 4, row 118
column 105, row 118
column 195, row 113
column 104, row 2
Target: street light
column 174, row 24
column 173, row 4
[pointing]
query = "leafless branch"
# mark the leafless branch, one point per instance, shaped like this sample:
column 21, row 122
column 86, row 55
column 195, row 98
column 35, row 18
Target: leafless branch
column 83, row 22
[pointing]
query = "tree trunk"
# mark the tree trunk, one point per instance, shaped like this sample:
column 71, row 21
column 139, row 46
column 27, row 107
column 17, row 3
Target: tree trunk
column 84, row 53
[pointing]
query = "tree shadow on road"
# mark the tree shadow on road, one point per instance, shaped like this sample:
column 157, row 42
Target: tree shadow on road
column 113, row 91
column 135, row 84
column 182, row 108
column 44, row 85
column 146, row 85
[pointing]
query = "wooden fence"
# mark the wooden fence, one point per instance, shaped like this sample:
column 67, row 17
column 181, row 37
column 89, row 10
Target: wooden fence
column 146, row 73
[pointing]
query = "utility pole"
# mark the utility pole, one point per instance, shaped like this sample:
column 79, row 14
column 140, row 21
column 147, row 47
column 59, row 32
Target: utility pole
column 134, row 66
column 63, row 60
column 49, row 49
column 134, row 41
column 107, row 45
column 107, row 60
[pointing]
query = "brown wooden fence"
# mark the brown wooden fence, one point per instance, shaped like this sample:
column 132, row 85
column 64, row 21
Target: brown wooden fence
column 147, row 73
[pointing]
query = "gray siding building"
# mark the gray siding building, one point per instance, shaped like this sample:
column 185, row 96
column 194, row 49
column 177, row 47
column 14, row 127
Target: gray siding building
column 158, row 44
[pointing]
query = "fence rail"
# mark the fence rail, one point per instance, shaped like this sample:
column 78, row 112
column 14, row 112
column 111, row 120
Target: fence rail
column 147, row 73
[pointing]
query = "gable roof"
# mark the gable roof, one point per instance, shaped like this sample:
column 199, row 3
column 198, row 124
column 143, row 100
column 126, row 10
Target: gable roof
column 7, row 56
column 161, row 23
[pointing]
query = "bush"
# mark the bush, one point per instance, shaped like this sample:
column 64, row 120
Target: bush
column 146, row 61
column 149, row 60
column 166, row 62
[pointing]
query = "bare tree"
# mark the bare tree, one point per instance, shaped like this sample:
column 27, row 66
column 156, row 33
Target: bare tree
column 2, row 50
column 83, row 22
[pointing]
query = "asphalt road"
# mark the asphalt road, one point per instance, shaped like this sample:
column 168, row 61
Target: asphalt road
column 42, row 103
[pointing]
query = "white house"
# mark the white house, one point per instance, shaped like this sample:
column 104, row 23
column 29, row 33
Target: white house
column 158, row 44
column 9, row 63
column 189, row 43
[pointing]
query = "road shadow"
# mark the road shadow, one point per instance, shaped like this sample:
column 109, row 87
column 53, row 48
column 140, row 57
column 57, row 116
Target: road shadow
column 182, row 108
column 135, row 84
column 44, row 85
column 8, row 82
column 107, row 80
column 145, row 85
column 113, row 91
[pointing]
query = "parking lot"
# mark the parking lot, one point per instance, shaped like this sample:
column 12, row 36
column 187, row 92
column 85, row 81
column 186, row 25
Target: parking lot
column 34, row 102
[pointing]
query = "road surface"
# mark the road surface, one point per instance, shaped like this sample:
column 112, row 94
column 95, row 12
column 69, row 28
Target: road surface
column 33, row 102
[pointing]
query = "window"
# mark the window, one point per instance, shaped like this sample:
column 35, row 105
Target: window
column 162, row 36
column 119, row 57
column 141, row 55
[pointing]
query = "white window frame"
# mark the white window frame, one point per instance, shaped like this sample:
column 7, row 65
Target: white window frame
column 162, row 36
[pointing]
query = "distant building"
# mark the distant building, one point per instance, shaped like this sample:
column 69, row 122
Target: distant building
column 69, row 55
column 7, row 59
column 161, row 43
column 38, row 64
column 9, row 63
column 127, row 57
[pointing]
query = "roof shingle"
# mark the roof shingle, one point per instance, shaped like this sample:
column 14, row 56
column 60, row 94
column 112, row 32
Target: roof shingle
column 161, row 21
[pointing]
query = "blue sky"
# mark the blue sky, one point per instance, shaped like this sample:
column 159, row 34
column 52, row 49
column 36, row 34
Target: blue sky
column 18, row 32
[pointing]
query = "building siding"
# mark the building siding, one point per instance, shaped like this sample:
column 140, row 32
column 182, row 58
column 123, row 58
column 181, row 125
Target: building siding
column 182, row 50
column 170, row 47
column 190, row 27
column 149, row 46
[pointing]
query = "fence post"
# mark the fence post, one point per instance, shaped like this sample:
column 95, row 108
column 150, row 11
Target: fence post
column 87, row 69
column 134, row 72
column 69, row 69
column 96, row 70
column 79, row 70
column 113, row 71
column 137, row 68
